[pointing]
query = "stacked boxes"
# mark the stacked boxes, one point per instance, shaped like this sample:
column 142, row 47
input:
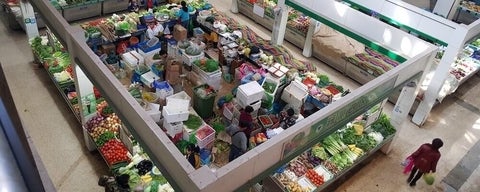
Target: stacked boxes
column 295, row 94
column 175, row 112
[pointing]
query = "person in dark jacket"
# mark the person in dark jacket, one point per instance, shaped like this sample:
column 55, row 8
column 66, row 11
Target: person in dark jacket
column 247, row 119
column 193, row 155
column 425, row 160
column 239, row 141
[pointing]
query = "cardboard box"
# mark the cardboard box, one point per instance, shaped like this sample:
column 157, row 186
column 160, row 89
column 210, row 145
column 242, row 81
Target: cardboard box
column 173, row 77
column 179, row 32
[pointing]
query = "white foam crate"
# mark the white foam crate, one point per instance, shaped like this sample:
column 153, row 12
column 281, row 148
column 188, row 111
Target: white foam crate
column 207, row 139
column 173, row 128
column 132, row 58
column 148, row 78
column 173, row 114
column 189, row 59
column 270, row 80
column 215, row 81
column 295, row 93
column 204, row 73
column 180, row 99
column 250, row 92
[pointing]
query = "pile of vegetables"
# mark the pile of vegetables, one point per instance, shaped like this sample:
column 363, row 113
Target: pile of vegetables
column 333, row 144
column 269, row 87
column 314, row 177
column 193, row 50
column 207, row 65
column 114, row 151
column 383, row 126
column 193, row 122
column 40, row 47
column 104, row 137
column 144, row 167
column 319, row 152
column 366, row 142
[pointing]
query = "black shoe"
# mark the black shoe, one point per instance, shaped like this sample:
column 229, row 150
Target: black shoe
column 412, row 184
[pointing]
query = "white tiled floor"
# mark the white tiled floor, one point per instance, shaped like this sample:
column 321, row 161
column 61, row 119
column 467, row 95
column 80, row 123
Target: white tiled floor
column 58, row 138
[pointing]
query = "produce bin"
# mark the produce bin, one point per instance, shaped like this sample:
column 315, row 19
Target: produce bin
column 189, row 59
column 204, row 100
column 180, row 100
column 82, row 10
column 173, row 128
column 295, row 93
column 173, row 114
column 112, row 6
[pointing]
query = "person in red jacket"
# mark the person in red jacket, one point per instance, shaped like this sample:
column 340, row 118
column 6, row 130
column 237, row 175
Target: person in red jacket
column 425, row 160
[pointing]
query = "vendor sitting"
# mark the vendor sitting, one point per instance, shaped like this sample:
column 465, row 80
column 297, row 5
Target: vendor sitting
column 154, row 29
column 287, row 119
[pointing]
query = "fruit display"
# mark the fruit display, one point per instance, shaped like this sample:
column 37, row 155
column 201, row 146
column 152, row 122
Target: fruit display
column 314, row 177
column 114, row 151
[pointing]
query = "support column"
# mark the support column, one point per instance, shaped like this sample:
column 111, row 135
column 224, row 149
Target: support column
column 234, row 6
column 29, row 20
column 307, row 48
column 441, row 73
column 446, row 8
column 279, row 23
column 401, row 110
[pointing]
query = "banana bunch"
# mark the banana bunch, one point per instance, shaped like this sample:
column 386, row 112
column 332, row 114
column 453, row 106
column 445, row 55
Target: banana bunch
column 355, row 150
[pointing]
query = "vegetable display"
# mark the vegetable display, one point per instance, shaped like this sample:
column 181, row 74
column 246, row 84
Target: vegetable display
column 144, row 167
column 314, row 177
column 269, row 87
column 383, row 126
column 104, row 137
column 207, row 65
column 114, row 151
column 193, row 122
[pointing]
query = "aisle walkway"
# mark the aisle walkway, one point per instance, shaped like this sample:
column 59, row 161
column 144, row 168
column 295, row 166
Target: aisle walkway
column 58, row 137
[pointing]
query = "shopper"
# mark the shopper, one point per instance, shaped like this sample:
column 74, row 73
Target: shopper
column 193, row 155
column 239, row 140
column 115, row 184
column 183, row 15
column 425, row 160
column 247, row 119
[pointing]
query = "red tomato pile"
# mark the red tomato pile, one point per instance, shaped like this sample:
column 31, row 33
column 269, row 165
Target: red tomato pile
column 114, row 151
column 314, row 177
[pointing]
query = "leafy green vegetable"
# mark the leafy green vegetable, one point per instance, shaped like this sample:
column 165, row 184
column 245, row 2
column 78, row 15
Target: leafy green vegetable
column 349, row 137
column 218, row 127
column 103, row 138
column 383, row 126
column 269, row 87
column 193, row 122
column 366, row 143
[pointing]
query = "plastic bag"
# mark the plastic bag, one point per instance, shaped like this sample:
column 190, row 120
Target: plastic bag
column 408, row 165
column 429, row 178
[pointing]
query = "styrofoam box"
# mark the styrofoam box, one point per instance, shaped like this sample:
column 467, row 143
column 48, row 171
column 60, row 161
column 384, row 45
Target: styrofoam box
column 250, row 92
column 156, row 115
column 173, row 114
column 180, row 100
column 215, row 81
column 173, row 128
column 148, row 78
column 270, row 80
column 204, row 73
column 132, row 58
column 295, row 93
column 227, row 112
column 189, row 59
column 208, row 139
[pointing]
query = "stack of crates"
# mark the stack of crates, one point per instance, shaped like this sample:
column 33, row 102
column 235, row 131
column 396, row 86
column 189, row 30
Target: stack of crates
column 175, row 112
column 295, row 94
column 250, row 93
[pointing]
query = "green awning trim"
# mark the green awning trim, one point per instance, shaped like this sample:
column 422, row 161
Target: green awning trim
column 353, row 35
column 395, row 23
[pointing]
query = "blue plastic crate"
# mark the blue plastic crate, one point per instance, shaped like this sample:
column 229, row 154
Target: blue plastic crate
column 315, row 102
column 145, row 48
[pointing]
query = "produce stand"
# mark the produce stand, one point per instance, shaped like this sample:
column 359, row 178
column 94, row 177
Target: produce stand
column 278, row 151
column 293, row 35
